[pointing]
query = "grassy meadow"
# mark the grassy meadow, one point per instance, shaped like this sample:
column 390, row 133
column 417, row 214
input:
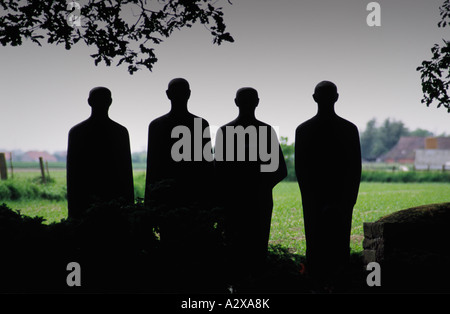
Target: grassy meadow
column 375, row 200
column 25, row 193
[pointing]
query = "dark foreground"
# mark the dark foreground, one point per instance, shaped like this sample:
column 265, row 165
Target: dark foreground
column 118, row 250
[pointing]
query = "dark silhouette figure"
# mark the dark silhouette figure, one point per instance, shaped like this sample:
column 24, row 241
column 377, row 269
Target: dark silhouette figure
column 328, row 169
column 243, row 150
column 179, row 156
column 98, row 159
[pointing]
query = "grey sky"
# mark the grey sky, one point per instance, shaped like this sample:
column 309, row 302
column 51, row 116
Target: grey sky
column 283, row 48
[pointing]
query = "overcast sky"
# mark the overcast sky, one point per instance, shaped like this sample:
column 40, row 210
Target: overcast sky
column 283, row 48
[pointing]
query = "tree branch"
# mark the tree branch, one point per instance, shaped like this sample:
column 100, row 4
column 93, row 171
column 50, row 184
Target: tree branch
column 103, row 27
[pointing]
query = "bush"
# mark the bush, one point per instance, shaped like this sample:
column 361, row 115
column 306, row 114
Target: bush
column 5, row 193
column 16, row 189
column 392, row 176
column 404, row 177
column 111, row 238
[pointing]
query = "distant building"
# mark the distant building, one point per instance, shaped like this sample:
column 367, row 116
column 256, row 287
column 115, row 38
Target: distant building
column 435, row 159
column 404, row 152
column 34, row 156
column 423, row 152
column 436, row 154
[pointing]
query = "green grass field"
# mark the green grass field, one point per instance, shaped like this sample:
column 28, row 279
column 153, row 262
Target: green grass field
column 374, row 201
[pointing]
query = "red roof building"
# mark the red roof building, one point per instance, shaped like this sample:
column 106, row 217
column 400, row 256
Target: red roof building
column 34, row 156
column 404, row 151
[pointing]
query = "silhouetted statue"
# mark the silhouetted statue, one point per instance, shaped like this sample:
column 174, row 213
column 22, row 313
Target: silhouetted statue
column 249, row 163
column 328, row 169
column 98, row 159
column 180, row 154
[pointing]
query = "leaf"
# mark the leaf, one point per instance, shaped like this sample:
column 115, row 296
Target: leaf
column 36, row 38
column 104, row 28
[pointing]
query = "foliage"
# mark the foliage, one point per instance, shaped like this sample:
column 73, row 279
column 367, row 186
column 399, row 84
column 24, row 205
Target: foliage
column 16, row 189
column 405, row 176
column 375, row 200
column 32, row 189
column 10, row 218
column 119, row 250
column 377, row 140
column 110, row 238
column 422, row 133
column 435, row 74
column 124, row 240
column 123, row 29
column 139, row 157
column 289, row 158
column 35, row 165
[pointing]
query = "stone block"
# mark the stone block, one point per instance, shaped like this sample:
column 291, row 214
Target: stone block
column 412, row 247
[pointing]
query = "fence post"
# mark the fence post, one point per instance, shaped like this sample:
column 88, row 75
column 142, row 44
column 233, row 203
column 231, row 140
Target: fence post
column 46, row 167
column 11, row 165
column 41, row 163
column 3, row 169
